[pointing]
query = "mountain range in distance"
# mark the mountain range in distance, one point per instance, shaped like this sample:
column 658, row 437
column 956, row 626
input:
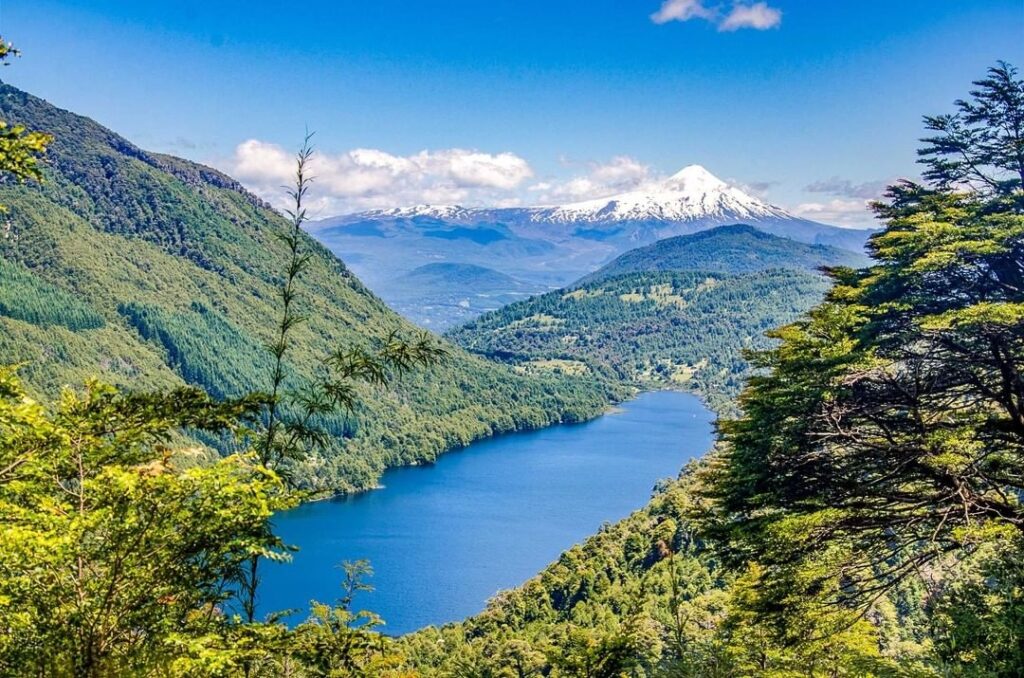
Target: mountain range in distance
column 152, row 271
column 541, row 248
column 678, row 313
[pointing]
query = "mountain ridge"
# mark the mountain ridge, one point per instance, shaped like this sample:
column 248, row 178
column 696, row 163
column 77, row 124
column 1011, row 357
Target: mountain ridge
column 734, row 248
column 440, row 295
column 692, row 193
column 472, row 273
column 653, row 329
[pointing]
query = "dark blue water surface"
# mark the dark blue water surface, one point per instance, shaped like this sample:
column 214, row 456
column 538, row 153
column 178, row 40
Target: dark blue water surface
column 442, row 539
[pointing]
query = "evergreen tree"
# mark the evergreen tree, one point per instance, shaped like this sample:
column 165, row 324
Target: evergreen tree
column 886, row 434
column 982, row 144
column 21, row 150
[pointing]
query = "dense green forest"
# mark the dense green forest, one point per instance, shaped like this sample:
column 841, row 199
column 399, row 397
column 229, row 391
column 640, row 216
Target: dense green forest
column 151, row 272
column 683, row 329
column 727, row 249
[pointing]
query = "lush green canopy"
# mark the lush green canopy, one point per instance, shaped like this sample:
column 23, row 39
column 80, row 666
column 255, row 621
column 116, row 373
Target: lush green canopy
column 682, row 329
column 886, row 436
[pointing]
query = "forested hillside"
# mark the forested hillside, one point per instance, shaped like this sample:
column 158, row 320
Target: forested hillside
column 859, row 515
column 148, row 271
column 685, row 329
column 650, row 596
column 728, row 249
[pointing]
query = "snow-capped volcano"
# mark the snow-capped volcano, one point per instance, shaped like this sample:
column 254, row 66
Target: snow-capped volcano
column 555, row 244
column 692, row 194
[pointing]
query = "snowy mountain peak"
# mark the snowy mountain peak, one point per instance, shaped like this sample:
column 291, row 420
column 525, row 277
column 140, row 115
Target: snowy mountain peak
column 691, row 194
column 696, row 178
column 435, row 211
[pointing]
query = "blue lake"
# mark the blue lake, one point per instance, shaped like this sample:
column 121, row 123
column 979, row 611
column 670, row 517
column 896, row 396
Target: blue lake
column 443, row 539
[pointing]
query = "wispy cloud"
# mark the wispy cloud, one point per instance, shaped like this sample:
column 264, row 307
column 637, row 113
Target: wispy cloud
column 759, row 189
column 682, row 10
column 366, row 178
column 849, row 213
column 848, row 203
column 183, row 143
column 759, row 16
column 622, row 173
column 369, row 178
column 867, row 190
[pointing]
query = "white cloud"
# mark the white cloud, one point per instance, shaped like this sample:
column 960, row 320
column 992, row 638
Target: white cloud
column 758, row 16
column 258, row 162
column 848, row 203
column 838, row 212
column 758, row 189
column 505, row 170
column 365, row 178
column 848, row 189
column 622, row 170
column 621, row 173
column 682, row 10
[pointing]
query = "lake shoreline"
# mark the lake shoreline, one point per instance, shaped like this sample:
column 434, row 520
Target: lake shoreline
column 614, row 407
column 445, row 537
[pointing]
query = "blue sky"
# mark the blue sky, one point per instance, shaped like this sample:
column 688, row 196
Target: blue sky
column 813, row 104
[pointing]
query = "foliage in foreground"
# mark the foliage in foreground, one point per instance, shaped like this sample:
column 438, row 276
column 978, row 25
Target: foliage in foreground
column 649, row 596
column 95, row 568
column 885, row 442
column 22, row 151
column 863, row 515
column 120, row 557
